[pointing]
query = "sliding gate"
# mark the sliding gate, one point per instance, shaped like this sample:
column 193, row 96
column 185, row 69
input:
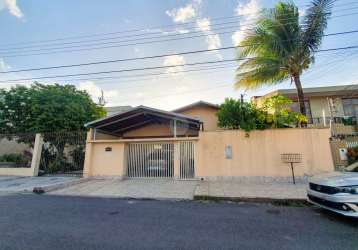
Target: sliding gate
column 156, row 160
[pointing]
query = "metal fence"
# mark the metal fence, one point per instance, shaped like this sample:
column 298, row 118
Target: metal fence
column 16, row 150
column 63, row 153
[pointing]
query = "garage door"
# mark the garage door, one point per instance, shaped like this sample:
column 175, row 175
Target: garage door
column 156, row 160
column 150, row 160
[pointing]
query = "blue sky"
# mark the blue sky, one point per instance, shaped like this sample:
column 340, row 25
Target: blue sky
column 24, row 22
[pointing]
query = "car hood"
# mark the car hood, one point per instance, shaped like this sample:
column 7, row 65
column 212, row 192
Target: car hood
column 336, row 179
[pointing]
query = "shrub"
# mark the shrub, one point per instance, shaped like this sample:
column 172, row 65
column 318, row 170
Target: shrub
column 21, row 160
column 279, row 113
column 352, row 154
column 236, row 115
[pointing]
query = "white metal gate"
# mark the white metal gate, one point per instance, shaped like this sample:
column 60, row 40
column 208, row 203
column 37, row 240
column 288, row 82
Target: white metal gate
column 187, row 160
column 150, row 160
column 156, row 159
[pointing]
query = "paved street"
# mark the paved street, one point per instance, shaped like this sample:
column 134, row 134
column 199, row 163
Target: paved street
column 32, row 221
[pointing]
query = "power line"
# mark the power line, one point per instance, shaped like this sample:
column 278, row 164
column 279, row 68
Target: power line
column 48, row 50
column 199, row 70
column 151, row 68
column 137, row 76
column 149, row 57
column 123, row 70
column 145, row 34
column 150, row 28
column 206, row 70
column 191, row 91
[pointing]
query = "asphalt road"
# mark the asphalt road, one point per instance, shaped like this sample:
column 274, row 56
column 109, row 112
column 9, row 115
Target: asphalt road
column 53, row 222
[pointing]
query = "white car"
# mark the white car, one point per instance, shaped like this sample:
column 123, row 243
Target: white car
column 336, row 191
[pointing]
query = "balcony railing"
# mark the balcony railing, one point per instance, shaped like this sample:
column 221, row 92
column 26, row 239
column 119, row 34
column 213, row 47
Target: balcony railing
column 326, row 121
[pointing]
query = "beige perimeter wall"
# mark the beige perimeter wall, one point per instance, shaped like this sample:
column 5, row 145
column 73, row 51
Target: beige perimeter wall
column 260, row 153
column 256, row 155
column 99, row 162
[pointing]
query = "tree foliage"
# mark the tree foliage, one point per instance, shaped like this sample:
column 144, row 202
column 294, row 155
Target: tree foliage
column 280, row 47
column 275, row 113
column 46, row 108
column 279, row 114
column 236, row 115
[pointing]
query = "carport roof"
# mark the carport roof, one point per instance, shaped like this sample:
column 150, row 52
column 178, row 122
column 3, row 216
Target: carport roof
column 138, row 117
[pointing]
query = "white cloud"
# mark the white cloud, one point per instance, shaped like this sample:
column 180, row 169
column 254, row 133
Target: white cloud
column 182, row 31
column 174, row 60
column 95, row 92
column 12, row 7
column 248, row 12
column 203, row 24
column 3, row 65
column 212, row 39
column 182, row 14
column 190, row 11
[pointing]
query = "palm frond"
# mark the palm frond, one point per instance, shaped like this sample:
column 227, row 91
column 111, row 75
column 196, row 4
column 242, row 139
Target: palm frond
column 259, row 71
column 315, row 22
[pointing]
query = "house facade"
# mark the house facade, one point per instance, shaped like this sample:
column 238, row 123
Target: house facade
column 323, row 104
column 186, row 143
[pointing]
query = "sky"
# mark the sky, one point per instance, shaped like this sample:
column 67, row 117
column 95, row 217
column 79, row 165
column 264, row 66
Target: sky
column 39, row 33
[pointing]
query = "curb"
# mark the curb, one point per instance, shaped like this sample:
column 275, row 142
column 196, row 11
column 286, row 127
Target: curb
column 273, row 201
column 49, row 188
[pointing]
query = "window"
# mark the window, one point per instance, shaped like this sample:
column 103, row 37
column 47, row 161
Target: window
column 350, row 107
column 295, row 107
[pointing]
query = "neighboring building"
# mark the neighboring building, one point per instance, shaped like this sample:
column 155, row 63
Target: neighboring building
column 117, row 109
column 322, row 103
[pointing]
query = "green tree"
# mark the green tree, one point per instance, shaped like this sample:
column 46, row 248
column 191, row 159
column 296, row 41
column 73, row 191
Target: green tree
column 280, row 47
column 234, row 114
column 46, row 108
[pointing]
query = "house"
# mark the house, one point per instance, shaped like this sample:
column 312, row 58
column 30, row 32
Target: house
column 117, row 109
column 146, row 122
column 322, row 103
column 186, row 143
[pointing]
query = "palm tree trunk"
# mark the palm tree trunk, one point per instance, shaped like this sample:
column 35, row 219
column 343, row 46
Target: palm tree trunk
column 300, row 95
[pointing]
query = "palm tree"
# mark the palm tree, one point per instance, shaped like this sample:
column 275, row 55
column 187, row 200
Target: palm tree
column 280, row 47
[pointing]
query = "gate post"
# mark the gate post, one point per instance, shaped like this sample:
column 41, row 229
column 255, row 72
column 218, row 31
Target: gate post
column 176, row 160
column 36, row 155
column 88, row 155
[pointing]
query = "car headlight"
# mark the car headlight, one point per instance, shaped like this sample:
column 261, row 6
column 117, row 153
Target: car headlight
column 348, row 189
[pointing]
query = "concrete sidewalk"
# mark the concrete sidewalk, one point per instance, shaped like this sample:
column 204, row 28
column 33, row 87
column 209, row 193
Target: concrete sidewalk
column 252, row 189
column 17, row 184
column 132, row 188
column 246, row 188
